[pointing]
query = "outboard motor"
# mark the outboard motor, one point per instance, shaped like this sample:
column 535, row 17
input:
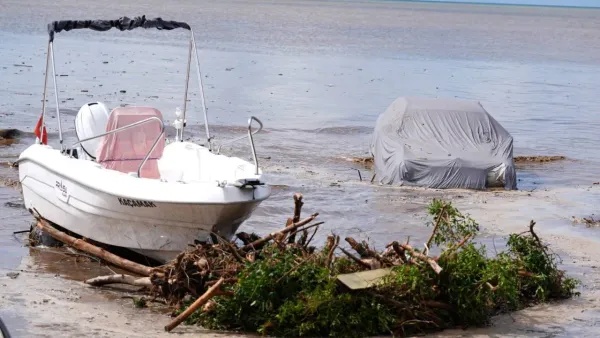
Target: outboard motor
column 91, row 121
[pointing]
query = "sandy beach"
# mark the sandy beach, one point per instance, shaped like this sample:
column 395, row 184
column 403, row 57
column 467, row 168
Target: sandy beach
column 48, row 284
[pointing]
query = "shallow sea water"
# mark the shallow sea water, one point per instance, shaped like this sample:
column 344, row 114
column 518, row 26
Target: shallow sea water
column 317, row 74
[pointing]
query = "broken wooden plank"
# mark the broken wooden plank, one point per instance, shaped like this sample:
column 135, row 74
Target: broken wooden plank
column 363, row 279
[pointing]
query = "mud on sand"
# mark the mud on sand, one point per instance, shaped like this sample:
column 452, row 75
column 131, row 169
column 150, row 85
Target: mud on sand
column 537, row 159
column 368, row 161
column 49, row 306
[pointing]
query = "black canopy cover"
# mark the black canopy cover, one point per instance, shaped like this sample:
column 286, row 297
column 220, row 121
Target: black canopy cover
column 123, row 24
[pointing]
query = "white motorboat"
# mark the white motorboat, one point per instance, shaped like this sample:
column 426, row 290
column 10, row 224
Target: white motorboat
column 123, row 184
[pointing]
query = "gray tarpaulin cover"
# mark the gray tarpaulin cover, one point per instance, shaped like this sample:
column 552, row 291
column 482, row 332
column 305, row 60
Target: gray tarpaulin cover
column 442, row 143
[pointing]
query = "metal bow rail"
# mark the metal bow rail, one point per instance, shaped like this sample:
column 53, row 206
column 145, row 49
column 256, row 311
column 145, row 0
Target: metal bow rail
column 250, row 138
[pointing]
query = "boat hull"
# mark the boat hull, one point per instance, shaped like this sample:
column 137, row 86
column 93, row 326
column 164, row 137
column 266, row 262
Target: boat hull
column 149, row 222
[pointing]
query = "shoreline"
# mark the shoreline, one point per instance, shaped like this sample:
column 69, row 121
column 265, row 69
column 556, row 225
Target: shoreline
column 86, row 309
column 475, row 2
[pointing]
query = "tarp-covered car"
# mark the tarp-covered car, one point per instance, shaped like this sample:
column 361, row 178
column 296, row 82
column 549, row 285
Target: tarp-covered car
column 442, row 143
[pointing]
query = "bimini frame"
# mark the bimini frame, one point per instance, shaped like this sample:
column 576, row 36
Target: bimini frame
column 123, row 24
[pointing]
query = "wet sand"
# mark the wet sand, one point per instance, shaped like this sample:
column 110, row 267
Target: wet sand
column 44, row 287
column 318, row 74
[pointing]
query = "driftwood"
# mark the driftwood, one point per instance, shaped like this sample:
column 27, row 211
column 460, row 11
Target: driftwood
column 429, row 260
column 364, row 251
column 244, row 237
column 358, row 247
column 230, row 247
column 82, row 245
column 399, row 251
column 354, row 258
column 298, row 203
column 260, row 242
column 307, row 242
column 297, row 210
column 119, row 279
column 436, row 226
column 372, row 263
column 331, row 246
column 211, row 292
column 302, row 240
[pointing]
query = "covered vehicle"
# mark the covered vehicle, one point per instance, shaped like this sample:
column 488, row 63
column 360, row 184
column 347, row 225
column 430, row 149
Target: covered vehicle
column 442, row 143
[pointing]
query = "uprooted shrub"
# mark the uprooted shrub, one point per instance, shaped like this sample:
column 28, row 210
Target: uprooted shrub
column 286, row 290
column 284, row 294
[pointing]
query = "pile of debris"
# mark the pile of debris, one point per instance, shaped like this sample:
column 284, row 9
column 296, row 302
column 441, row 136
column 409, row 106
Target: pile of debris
column 282, row 285
column 589, row 222
column 367, row 162
column 538, row 159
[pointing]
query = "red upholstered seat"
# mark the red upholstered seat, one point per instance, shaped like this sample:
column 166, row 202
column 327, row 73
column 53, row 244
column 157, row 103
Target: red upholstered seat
column 125, row 150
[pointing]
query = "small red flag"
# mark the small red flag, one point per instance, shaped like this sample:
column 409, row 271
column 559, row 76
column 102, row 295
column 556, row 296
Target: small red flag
column 41, row 135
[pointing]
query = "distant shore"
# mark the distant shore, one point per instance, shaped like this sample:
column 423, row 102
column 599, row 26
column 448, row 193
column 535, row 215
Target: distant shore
column 507, row 3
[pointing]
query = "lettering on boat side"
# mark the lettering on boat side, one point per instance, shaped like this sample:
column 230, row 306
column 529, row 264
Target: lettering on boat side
column 61, row 187
column 61, row 191
column 136, row 203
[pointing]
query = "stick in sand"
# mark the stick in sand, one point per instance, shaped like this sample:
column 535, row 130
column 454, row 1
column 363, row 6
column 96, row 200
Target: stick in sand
column 119, row 279
column 212, row 291
column 94, row 250
column 297, row 209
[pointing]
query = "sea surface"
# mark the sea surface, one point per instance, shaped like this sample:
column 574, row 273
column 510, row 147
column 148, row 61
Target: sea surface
column 318, row 74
